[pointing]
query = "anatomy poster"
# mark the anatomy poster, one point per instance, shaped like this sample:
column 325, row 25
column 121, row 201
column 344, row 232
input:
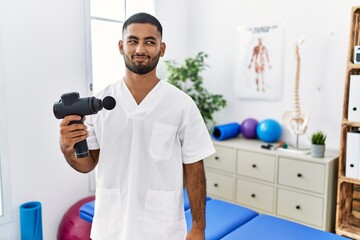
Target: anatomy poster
column 260, row 61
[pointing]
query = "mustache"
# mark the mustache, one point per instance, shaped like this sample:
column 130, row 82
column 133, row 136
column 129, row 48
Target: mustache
column 141, row 55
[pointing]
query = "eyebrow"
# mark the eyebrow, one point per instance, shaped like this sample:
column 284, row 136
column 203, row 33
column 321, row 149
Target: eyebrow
column 146, row 38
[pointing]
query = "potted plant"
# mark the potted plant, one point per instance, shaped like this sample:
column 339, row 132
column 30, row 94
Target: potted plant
column 318, row 144
column 187, row 78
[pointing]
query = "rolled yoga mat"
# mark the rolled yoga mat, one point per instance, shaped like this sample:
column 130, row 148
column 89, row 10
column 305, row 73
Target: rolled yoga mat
column 30, row 221
column 230, row 130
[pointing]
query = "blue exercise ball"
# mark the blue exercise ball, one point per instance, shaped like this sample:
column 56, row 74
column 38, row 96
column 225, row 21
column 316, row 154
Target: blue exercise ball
column 268, row 130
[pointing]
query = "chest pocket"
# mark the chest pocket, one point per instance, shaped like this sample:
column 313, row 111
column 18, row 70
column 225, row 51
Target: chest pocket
column 162, row 141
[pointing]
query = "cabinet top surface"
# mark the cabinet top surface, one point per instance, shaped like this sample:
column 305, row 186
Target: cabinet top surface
column 255, row 146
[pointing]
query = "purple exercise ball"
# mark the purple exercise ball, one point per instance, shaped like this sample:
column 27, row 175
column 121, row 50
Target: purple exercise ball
column 248, row 128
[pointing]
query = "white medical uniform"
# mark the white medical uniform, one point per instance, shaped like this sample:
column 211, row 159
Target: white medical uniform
column 139, row 177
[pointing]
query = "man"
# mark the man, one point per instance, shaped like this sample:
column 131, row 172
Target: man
column 143, row 147
column 260, row 54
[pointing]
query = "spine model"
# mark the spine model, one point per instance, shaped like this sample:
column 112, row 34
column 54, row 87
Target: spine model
column 296, row 120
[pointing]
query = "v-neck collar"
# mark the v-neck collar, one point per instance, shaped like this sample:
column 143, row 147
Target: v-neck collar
column 145, row 105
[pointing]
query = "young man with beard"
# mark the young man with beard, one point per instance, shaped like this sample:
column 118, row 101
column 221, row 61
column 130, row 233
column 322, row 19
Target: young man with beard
column 143, row 147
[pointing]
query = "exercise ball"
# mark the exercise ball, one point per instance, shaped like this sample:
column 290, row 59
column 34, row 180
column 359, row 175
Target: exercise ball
column 268, row 130
column 72, row 226
column 248, row 128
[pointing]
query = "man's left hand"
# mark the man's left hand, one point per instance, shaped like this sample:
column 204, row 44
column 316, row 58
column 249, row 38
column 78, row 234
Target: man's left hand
column 195, row 234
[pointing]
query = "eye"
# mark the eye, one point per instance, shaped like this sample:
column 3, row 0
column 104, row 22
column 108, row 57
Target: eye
column 150, row 42
column 132, row 41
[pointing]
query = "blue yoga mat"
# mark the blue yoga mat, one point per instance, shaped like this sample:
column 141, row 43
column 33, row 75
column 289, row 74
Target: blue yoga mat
column 30, row 221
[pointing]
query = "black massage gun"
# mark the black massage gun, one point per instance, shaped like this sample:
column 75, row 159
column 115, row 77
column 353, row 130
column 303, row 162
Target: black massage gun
column 72, row 104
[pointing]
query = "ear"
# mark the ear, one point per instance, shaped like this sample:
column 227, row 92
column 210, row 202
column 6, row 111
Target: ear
column 162, row 49
column 121, row 47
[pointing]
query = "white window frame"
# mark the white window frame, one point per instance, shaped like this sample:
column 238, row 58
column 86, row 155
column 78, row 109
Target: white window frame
column 130, row 6
column 5, row 194
column 135, row 4
column 88, row 45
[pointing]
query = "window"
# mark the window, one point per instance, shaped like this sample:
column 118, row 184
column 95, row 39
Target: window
column 103, row 24
column 103, row 31
column 4, row 168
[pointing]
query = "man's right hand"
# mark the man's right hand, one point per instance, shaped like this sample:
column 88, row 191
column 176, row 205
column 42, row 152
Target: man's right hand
column 70, row 134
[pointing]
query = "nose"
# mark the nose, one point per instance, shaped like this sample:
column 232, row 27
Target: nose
column 140, row 48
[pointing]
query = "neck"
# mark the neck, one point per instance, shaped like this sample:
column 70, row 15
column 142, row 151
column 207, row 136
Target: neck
column 140, row 85
column 141, row 81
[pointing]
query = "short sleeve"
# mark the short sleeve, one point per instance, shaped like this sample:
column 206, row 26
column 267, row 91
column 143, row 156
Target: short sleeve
column 91, row 139
column 195, row 137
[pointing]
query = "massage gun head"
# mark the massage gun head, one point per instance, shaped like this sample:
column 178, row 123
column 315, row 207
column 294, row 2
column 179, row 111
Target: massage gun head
column 72, row 104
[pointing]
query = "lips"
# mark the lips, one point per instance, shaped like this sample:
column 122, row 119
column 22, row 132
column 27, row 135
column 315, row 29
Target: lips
column 140, row 57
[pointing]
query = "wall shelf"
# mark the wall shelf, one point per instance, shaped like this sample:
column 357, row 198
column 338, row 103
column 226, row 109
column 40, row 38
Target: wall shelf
column 348, row 192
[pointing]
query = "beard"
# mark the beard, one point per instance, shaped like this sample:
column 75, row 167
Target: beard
column 141, row 68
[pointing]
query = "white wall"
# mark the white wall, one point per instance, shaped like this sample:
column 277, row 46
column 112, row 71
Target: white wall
column 212, row 28
column 43, row 57
column 174, row 19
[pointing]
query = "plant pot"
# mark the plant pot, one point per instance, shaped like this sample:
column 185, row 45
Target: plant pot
column 318, row 150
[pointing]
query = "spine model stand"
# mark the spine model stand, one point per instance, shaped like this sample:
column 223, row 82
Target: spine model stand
column 296, row 120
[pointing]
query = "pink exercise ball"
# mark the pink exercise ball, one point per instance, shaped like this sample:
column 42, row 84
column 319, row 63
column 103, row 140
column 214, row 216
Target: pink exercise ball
column 72, row 226
column 248, row 128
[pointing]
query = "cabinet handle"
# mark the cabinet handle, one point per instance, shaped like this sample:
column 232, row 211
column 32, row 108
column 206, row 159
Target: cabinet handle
column 216, row 185
column 298, row 207
column 253, row 195
column 351, row 165
column 217, row 158
column 299, row 175
column 254, row 165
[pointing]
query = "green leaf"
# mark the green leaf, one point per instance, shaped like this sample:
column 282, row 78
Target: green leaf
column 187, row 77
column 318, row 137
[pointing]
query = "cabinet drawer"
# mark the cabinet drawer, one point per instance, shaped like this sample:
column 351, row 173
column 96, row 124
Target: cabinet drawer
column 255, row 195
column 223, row 159
column 220, row 185
column 301, row 207
column 303, row 175
column 256, row 165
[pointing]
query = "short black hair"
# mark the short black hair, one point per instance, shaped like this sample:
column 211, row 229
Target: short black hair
column 143, row 18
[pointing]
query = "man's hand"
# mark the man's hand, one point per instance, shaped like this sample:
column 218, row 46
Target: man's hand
column 195, row 234
column 71, row 134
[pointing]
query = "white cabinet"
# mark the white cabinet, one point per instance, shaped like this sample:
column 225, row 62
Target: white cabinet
column 305, row 175
column 256, row 165
column 255, row 195
column 220, row 185
column 224, row 159
column 276, row 182
column 300, row 207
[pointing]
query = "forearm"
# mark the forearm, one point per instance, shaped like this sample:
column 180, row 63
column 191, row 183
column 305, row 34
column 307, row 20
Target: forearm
column 196, row 187
column 84, row 164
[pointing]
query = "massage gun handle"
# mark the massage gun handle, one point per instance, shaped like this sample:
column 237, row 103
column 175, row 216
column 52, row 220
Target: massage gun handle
column 81, row 148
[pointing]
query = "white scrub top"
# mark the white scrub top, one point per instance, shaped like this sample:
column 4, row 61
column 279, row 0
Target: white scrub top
column 139, row 177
